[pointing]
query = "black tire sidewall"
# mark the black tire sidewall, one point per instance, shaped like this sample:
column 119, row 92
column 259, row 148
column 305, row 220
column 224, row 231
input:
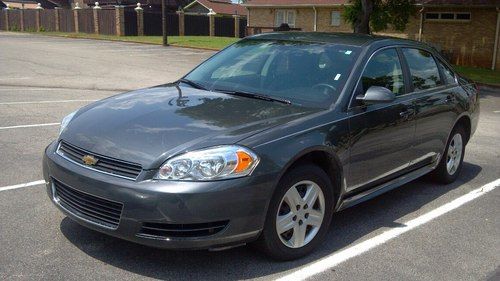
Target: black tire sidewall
column 270, row 240
column 441, row 173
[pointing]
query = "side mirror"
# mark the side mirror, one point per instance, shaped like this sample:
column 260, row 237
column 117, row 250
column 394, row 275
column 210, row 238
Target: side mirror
column 376, row 94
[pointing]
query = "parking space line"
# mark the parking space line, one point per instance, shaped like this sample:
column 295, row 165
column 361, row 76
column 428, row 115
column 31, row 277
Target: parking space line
column 360, row 248
column 4, row 188
column 44, row 101
column 29, row 126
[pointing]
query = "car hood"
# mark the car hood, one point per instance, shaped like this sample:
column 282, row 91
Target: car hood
column 150, row 125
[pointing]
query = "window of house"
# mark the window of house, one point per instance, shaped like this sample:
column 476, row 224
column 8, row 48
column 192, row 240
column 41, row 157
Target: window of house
column 432, row 16
column 463, row 16
column 335, row 18
column 384, row 70
column 423, row 69
column 285, row 16
column 448, row 16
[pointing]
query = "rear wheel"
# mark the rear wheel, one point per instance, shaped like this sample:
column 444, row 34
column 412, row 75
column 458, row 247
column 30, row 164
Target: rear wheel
column 299, row 214
column 450, row 165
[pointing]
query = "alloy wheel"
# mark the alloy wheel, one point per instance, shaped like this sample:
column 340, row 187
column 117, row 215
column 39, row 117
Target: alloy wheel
column 454, row 155
column 300, row 214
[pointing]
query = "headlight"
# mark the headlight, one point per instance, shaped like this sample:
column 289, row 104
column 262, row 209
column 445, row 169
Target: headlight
column 221, row 162
column 66, row 121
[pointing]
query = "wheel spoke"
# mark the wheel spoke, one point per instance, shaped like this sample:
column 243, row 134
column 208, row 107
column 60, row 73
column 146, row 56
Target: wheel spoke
column 299, row 235
column 285, row 223
column 315, row 218
column 311, row 196
column 292, row 197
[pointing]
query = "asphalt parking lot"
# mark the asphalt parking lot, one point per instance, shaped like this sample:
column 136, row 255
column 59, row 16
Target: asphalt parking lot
column 421, row 231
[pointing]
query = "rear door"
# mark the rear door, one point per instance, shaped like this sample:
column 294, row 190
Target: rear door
column 381, row 134
column 434, row 86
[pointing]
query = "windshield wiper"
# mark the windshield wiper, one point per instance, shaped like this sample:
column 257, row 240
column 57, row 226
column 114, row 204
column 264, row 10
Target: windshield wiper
column 253, row 96
column 192, row 83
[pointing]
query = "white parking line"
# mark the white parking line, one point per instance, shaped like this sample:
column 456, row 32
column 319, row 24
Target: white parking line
column 496, row 111
column 29, row 126
column 43, row 101
column 22, row 185
column 360, row 248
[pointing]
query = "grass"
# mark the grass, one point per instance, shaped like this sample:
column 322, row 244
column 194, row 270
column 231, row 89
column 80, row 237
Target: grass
column 480, row 75
column 205, row 42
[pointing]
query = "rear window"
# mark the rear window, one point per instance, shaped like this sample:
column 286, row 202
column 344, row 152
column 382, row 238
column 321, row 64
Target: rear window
column 423, row 69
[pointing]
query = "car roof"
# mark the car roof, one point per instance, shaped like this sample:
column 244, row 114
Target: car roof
column 353, row 39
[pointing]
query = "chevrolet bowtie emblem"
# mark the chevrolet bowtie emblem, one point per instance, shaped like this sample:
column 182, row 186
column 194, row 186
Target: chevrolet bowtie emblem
column 89, row 160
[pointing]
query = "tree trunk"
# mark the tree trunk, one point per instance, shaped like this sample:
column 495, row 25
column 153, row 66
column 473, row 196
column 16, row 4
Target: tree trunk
column 362, row 24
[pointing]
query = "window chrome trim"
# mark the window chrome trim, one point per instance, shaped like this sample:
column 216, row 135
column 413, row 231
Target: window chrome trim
column 60, row 153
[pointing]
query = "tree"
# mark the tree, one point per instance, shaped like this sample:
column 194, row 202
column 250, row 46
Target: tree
column 376, row 15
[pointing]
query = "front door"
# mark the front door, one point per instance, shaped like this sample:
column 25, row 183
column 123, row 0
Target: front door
column 382, row 135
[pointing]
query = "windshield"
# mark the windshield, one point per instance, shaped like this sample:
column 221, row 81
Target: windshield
column 309, row 74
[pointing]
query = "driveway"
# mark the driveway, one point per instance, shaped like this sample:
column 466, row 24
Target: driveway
column 421, row 231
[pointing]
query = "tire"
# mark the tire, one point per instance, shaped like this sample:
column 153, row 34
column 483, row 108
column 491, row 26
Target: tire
column 443, row 174
column 303, row 179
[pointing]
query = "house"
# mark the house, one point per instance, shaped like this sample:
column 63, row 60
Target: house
column 220, row 7
column 466, row 31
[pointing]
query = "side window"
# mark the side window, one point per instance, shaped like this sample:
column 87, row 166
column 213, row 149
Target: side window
column 423, row 69
column 384, row 69
column 449, row 75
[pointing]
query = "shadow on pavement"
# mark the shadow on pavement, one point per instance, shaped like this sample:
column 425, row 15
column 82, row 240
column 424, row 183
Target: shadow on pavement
column 245, row 262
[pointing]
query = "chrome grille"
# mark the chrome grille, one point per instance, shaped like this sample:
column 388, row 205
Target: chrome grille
column 104, row 164
column 88, row 207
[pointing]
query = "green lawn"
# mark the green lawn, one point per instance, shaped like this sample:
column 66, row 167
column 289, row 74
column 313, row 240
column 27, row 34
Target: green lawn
column 206, row 42
column 480, row 75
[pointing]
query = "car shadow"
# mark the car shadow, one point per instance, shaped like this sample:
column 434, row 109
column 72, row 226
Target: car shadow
column 245, row 262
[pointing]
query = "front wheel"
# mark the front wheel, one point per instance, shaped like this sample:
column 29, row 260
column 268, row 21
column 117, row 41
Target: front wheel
column 451, row 162
column 299, row 214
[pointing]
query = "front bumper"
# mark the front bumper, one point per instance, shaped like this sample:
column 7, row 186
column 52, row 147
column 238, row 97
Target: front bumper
column 242, row 203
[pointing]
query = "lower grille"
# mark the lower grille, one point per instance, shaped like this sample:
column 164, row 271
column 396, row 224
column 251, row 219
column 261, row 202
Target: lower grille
column 88, row 207
column 164, row 230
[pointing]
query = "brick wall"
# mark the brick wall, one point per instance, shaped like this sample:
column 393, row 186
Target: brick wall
column 467, row 43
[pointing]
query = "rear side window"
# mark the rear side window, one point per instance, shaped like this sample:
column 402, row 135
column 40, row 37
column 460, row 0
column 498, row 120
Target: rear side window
column 449, row 76
column 384, row 70
column 423, row 69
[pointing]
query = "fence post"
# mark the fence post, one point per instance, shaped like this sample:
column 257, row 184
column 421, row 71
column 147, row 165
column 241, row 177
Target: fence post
column 7, row 9
column 140, row 20
column 95, row 11
column 38, row 25
column 21, row 15
column 57, row 19
column 211, row 21
column 237, row 26
column 181, row 23
column 76, row 15
column 120, row 20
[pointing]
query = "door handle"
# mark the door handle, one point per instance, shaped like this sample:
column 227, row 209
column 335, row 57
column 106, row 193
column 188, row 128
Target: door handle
column 450, row 99
column 407, row 113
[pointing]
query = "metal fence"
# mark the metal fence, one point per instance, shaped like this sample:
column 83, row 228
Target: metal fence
column 106, row 19
column 153, row 23
column 66, row 21
column 15, row 20
column 86, row 21
column 47, row 20
column 224, row 26
column 130, row 22
column 196, row 25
